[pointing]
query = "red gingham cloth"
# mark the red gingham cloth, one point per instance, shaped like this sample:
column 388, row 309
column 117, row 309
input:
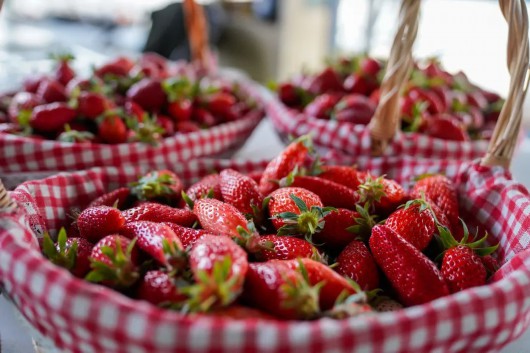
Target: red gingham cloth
column 82, row 317
column 354, row 140
column 22, row 154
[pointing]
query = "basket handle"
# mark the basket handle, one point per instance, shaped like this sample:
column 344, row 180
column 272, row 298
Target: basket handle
column 197, row 28
column 504, row 139
column 6, row 203
column 385, row 122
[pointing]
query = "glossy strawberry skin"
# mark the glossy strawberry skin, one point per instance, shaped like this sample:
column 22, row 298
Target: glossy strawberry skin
column 158, row 288
column 161, row 185
column 444, row 127
column 462, row 269
column 292, row 156
column 285, row 248
column 394, row 196
column 51, row 91
column 281, row 201
column 117, row 67
column 343, row 175
column 150, row 238
column 208, row 184
column 415, row 226
column 326, row 81
column 112, row 130
column 64, row 72
column 91, row 105
column 357, row 263
column 51, row 117
column 322, row 106
column 112, row 241
column 22, row 101
column 413, row 276
column 188, row 236
column 355, row 109
column 334, row 234
column 148, row 93
column 218, row 217
column 155, row 212
column 240, row 191
column 330, row 193
column 180, row 110
column 94, row 223
column 121, row 196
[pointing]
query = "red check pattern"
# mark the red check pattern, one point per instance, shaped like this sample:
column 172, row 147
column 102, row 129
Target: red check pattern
column 354, row 140
column 81, row 317
column 21, row 154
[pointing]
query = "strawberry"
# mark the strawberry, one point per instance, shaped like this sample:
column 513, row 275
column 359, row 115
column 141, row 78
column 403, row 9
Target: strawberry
column 434, row 104
column 21, row 106
column 134, row 110
column 31, row 84
column 188, row 236
column 157, row 240
column 412, row 275
column 416, row 223
column 355, row 109
column 326, row 81
column 343, row 175
column 155, row 212
column 72, row 253
column 357, row 263
column 439, row 190
column 114, row 261
column 329, row 192
column 370, row 66
column 148, row 93
column 64, row 72
column 292, row 156
column 112, row 130
column 166, row 123
column 162, row 185
column 95, row 223
column 357, row 83
column 386, row 305
column 490, row 263
column 290, row 94
column 91, row 104
column 51, row 117
column 207, row 186
column 120, row 197
column 51, row 91
column 203, row 117
column 285, row 248
column 296, row 211
column 180, row 110
column 219, row 267
column 118, row 67
column 74, row 135
column 241, row 192
column 160, row 288
column 384, row 194
column 444, row 127
column 322, row 106
column 342, row 226
column 221, row 106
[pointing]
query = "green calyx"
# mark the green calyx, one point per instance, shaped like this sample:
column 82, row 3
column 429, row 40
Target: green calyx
column 363, row 224
column 177, row 88
column 152, row 186
column 372, row 190
column 69, row 135
column 249, row 239
column 213, row 289
column 176, row 257
column 64, row 256
column 308, row 222
column 448, row 241
column 146, row 131
column 120, row 273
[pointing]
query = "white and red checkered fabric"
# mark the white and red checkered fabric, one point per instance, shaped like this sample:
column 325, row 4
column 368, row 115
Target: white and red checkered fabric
column 22, row 154
column 354, row 140
column 82, row 317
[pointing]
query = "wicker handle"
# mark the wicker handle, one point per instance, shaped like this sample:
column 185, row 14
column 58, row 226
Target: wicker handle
column 502, row 144
column 197, row 28
column 6, row 203
column 385, row 122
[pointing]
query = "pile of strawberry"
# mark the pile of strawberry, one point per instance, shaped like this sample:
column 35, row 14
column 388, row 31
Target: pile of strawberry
column 124, row 100
column 435, row 102
column 299, row 241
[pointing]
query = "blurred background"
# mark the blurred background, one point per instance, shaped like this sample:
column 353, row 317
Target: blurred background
column 268, row 39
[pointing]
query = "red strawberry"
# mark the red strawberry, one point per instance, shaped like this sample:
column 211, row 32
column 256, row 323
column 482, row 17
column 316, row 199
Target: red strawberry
column 415, row 223
column 166, row 124
column 355, row 109
column 180, row 110
column 444, row 127
column 434, row 104
column 439, row 190
column 221, row 106
column 91, row 105
column 413, row 276
column 162, row 185
column 134, row 110
column 118, row 67
column 21, row 106
column 463, row 269
column 360, row 84
column 290, row 94
column 51, row 91
column 219, row 267
column 112, row 130
column 343, row 175
column 188, row 236
column 155, row 212
column 51, row 117
column 95, row 223
column 149, row 94
column 241, row 192
column 64, row 72
column 342, row 226
column 384, row 194
column 330, row 193
column 207, row 186
column 72, row 253
column 326, row 81
column 322, row 106
column 157, row 240
column 370, row 66
column 120, row 197
column 357, row 263
column 292, row 156
column 386, row 305
column 114, row 261
column 159, row 288
column 285, row 248
column 31, row 84
column 296, row 211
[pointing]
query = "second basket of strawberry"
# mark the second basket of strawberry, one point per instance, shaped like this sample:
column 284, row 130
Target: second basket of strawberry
column 418, row 108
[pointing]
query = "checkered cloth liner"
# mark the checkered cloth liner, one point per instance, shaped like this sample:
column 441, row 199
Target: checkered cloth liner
column 355, row 139
column 21, row 154
column 81, row 317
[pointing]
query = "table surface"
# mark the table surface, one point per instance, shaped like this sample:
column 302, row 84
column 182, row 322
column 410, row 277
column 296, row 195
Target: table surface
column 262, row 144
